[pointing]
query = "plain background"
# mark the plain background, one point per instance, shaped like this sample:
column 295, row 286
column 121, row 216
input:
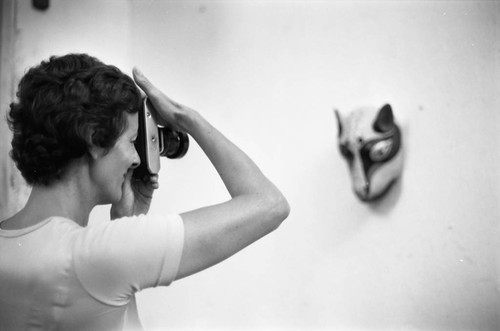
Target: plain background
column 268, row 75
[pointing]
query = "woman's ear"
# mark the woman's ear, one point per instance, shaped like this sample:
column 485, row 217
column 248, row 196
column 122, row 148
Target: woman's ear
column 96, row 152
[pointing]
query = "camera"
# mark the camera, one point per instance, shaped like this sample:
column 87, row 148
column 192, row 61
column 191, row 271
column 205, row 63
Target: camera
column 154, row 140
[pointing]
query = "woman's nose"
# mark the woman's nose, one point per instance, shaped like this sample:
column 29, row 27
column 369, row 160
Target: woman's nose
column 136, row 160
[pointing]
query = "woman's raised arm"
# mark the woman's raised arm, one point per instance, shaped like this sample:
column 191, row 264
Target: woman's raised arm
column 256, row 207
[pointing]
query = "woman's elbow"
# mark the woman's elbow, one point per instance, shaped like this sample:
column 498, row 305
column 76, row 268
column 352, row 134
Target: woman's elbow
column 284, row 208
column 279, row 209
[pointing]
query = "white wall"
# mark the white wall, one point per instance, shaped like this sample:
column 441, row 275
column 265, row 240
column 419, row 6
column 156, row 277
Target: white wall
column 268, row 75
column 100, row 28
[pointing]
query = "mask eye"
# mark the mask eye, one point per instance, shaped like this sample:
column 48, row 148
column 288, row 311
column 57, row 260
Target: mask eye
column 381, row 150
column 346, row 153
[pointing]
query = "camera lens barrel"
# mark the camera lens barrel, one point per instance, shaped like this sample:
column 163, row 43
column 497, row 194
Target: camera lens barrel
column 173, row 144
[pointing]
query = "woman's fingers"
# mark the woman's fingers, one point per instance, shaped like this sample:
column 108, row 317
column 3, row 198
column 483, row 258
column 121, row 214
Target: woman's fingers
column 166, row 108
column 155, row 94
column 144, row 82
column 153, row 182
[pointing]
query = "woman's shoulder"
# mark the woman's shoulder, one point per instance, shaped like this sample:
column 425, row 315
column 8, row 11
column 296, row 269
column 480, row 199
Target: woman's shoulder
column 17, row 227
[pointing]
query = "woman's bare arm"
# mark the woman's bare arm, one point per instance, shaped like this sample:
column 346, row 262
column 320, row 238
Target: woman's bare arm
column 256, row 207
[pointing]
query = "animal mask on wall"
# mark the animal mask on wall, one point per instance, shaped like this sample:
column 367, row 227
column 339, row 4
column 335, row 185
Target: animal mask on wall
column 370, row 142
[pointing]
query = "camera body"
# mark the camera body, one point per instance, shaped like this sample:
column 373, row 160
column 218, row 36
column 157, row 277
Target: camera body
column 154, row 141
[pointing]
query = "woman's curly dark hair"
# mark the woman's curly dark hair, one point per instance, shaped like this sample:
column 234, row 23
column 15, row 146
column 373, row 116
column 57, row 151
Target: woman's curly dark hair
column 65, row 105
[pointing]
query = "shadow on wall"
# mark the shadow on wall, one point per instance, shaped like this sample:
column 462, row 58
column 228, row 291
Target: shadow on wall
column 385, row 204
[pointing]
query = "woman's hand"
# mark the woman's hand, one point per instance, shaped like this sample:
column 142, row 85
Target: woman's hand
column 136, row 196
column 169, row 112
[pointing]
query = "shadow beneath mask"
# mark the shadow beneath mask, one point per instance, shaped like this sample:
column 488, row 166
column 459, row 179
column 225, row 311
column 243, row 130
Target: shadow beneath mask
column 388, row 200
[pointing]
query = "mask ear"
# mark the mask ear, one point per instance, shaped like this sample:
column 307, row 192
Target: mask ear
column 339, row 121
column 385, row 119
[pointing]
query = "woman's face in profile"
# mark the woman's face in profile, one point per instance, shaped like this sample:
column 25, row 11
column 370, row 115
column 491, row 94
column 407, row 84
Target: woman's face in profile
column 110, row 169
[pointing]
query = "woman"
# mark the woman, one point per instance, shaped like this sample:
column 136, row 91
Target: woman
column 74, row 129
